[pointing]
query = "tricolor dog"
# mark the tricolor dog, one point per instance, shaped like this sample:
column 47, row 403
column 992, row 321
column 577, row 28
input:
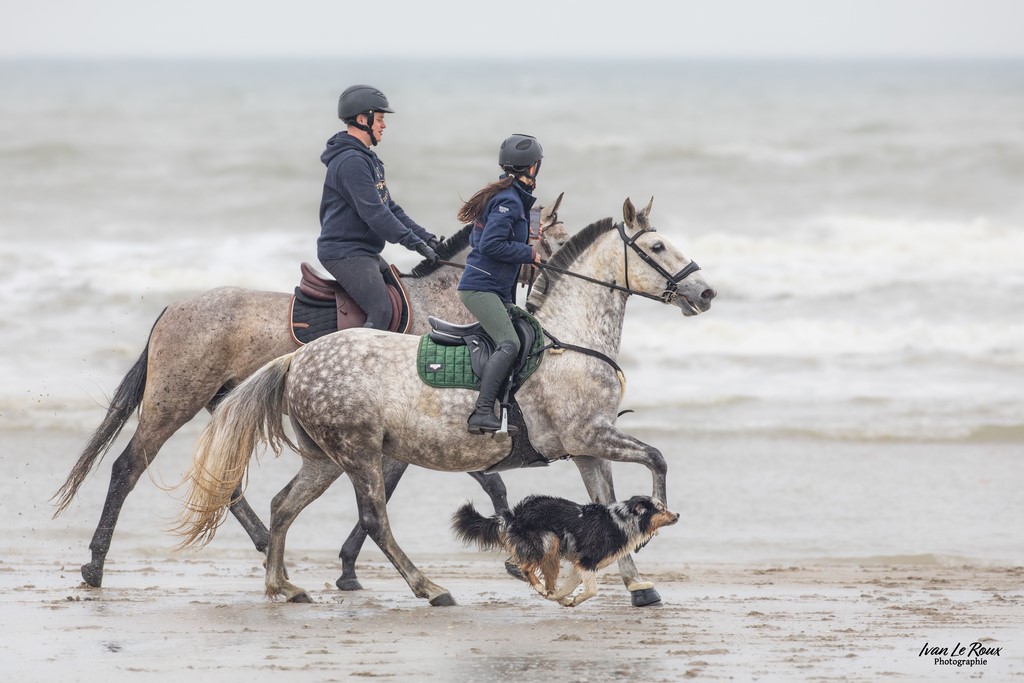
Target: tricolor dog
column 541, row 531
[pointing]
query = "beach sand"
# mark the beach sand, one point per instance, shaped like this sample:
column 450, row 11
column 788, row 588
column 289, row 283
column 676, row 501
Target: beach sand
column 165, row 615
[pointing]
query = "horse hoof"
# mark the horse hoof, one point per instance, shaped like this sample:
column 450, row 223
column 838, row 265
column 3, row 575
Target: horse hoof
column 645, row 597
column 92, row 574
column 443, row 600
column 300, row 597
column 348, row 584
column 514, row 571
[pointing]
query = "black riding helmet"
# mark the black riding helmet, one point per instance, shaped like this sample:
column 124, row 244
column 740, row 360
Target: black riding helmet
column 518, row 153
column 362, row 99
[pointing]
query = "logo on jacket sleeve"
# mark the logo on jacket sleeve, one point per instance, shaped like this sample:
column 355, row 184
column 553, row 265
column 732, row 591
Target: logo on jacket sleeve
column 502, row 209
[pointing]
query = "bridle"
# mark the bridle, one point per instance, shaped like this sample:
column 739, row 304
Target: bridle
column 668, row 295
column 671, row 281
column 540, row 238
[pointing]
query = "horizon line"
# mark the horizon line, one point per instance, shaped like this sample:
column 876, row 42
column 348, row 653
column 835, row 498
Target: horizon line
column 695, row 57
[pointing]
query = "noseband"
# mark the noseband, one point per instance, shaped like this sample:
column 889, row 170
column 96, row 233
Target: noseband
column 671, row 281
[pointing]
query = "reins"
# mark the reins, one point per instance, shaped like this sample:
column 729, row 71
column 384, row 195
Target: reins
column 453, row 264
column 667, row 296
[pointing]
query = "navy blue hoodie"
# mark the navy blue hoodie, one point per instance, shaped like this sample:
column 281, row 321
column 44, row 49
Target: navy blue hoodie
column 357, row 214
column 499, row 244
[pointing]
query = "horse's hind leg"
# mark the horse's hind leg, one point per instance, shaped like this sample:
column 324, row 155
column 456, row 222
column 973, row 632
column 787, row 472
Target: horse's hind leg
column 368, row 482
column 597, row 477
column 393, row 471
column 492, row 485
column 125, row 473
column 315, row 476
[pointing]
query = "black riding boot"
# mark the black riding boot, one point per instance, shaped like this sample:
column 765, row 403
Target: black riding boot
column 497, row 370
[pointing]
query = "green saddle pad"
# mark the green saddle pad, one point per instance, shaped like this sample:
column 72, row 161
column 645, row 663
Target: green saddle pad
column 450, row 367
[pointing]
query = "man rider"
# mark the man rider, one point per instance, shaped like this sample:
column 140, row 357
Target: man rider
column 357, row 214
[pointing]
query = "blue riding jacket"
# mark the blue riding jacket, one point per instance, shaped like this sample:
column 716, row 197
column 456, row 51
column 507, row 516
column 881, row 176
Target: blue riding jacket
column 499, row 244
column 357, row 214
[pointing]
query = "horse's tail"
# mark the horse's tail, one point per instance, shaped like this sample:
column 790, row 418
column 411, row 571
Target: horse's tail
column 472, row 527
column 127, row 399
column 249, row 414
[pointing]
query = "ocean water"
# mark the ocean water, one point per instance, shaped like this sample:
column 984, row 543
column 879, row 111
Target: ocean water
column 863, row 223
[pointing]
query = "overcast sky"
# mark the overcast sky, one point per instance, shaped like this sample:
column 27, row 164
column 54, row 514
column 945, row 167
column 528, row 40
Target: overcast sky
column 482, row 28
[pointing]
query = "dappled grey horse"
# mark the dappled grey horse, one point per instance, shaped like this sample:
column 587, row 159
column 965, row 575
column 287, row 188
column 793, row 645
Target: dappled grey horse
column 202, row 347
column 355, row 397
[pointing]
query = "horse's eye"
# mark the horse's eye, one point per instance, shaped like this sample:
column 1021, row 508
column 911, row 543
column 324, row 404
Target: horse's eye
column 657, row 246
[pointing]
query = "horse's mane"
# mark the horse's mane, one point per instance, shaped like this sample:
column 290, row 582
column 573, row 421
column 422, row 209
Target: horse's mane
column 449, row 248
column 564, row 258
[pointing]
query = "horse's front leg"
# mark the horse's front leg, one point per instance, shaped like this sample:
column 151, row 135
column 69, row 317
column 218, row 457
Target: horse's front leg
column 368, row 482
column 494, row 486
column 602, row 439
column 597, row 477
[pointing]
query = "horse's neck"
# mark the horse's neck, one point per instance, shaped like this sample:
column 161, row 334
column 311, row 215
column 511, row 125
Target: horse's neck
column 583, row 313
column 436, row 294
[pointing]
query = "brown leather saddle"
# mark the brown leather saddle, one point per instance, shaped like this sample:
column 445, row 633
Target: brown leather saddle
column 320, row 306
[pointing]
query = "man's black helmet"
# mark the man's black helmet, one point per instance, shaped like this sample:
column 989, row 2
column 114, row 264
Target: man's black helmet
column 359, row 99
column 519, row 152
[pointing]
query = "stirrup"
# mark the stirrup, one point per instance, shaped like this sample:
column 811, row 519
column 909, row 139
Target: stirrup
column 481, row 429
column 501, row 431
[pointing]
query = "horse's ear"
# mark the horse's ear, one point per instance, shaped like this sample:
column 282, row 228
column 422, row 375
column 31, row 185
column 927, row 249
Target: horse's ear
column 547, row 212
column 629, row 213
column 647, row 209
column 558, row 202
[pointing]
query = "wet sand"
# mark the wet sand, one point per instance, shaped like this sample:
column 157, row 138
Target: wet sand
column 164, row 616
column 207, row 619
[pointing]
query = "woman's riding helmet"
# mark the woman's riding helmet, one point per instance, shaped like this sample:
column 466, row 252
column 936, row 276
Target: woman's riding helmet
column 518, row 153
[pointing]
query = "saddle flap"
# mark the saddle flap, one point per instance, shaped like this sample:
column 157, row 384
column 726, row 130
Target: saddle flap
column 316, row 286
column 527, row 339
column 449, row 334
column 322, row 306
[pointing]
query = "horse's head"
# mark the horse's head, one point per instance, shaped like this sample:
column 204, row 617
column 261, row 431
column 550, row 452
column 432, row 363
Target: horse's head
column 547, row 236
column 654, row 266
column 552, row 234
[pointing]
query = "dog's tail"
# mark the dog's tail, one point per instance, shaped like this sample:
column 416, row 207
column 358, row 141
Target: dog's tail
column 472, row 527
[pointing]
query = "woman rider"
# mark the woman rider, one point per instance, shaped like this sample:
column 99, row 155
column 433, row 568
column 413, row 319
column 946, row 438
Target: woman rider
column 357, row 213
column 500, row 214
